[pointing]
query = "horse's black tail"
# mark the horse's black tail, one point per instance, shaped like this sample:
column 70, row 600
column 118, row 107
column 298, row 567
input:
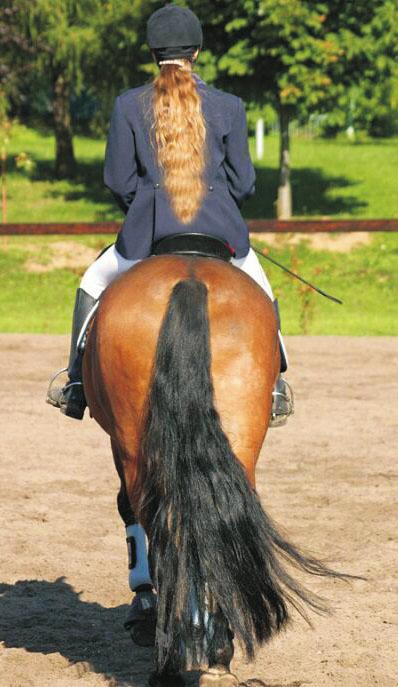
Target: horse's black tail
column 211, row 543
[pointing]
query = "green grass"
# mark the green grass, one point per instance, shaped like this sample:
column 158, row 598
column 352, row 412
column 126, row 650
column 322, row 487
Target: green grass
column 330, row 178
column 39, row 197
column 365, row 278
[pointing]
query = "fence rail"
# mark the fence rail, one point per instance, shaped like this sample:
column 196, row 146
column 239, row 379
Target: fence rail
column 256, row 226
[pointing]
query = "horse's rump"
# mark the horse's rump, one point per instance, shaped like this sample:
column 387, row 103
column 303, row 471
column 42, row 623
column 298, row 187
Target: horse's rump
column 243, row 341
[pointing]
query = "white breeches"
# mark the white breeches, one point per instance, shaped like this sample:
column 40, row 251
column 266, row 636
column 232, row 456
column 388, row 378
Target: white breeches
column 110, row 264
column 104, row 270
column 252, row 266
column 107, row 267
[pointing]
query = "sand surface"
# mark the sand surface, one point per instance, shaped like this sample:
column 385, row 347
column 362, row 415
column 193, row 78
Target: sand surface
column 328, row 478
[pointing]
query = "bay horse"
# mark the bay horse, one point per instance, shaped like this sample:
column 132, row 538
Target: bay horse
column 179, row 368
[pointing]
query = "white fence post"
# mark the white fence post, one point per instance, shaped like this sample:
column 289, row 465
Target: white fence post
column 260, row 139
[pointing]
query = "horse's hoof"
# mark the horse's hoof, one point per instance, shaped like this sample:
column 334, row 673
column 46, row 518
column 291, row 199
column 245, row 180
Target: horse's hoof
column 218, row 677
column 143, row 632
column 141, row 619
column 166, row 680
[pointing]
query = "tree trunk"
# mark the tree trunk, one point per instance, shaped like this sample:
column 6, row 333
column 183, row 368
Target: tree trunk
column 65, row 164
column 4, row 186
column 284, row 203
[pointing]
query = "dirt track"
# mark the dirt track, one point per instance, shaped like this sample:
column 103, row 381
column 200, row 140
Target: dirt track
column 328, row 477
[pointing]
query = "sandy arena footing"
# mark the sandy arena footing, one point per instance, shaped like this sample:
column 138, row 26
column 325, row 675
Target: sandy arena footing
column 328, row 478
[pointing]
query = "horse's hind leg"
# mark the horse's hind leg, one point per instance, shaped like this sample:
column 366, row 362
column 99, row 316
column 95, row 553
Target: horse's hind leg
column 170, row 675
column 220, row 653
column 141, row 618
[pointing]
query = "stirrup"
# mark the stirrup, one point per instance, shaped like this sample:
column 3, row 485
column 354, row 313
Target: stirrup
column 282, row 404
column 49, row 398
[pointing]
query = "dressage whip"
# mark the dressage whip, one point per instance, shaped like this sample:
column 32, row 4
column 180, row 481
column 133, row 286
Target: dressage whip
column 297, row 276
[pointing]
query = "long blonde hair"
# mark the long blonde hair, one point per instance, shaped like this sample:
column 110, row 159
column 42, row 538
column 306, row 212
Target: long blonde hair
column 180, row 134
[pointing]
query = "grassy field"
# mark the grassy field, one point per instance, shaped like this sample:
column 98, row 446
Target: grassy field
column 329, row 178
column 365, row 278
column 335, row 179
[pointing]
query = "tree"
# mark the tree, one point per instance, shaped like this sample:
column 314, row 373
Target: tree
column 366, row 79
column 72, row 45
column 120, row 58
column 303, row 56
column 278, row 52
column 54, row 35
column 59, row 34
column 14, row 50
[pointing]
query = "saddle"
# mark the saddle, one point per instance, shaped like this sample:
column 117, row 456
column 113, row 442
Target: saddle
column 186, row 243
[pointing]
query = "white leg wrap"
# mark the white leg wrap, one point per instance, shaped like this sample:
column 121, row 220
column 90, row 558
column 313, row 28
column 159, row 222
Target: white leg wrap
column 103, row 271
column 138, row 556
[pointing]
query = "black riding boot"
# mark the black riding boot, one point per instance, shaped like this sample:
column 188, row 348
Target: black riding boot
column 282, row 395
column 70, row 399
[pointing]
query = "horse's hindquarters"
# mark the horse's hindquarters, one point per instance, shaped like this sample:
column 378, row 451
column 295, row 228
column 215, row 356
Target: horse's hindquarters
column 243, row 343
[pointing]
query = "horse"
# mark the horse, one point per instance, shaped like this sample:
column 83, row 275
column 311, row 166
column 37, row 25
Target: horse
column 179, row 367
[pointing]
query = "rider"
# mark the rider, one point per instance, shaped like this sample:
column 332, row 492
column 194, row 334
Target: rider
column 177, row 160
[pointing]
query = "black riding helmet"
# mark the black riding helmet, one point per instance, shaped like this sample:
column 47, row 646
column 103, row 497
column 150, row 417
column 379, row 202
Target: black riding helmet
column 174, row 32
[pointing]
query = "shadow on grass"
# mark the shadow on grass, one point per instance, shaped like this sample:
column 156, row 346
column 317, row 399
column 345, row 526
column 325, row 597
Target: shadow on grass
column 311, row 188
column 87, row 184
column 311, row 191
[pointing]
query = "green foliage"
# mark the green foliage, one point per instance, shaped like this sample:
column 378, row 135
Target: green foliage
column 266, row 112
column 366, row 78
column 334, row 56
column 99, row 47
column 276, row 51
column 61, row 33
column 119, row 58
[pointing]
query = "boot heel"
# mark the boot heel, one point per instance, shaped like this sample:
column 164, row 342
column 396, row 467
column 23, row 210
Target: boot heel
column 74, row 401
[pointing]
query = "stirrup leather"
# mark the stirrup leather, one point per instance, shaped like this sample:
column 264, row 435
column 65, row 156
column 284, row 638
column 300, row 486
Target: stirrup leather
column 282, row 404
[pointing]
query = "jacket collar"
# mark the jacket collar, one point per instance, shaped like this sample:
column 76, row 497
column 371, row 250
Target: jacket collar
column 198, row 79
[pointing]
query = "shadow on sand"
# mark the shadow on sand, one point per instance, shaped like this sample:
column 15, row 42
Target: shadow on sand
column 49, row 617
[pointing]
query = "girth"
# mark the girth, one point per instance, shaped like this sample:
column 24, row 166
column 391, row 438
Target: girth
column 193, row 244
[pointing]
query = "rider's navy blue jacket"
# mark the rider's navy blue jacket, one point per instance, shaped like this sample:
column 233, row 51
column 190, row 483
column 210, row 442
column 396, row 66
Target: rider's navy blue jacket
column 134, row 177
